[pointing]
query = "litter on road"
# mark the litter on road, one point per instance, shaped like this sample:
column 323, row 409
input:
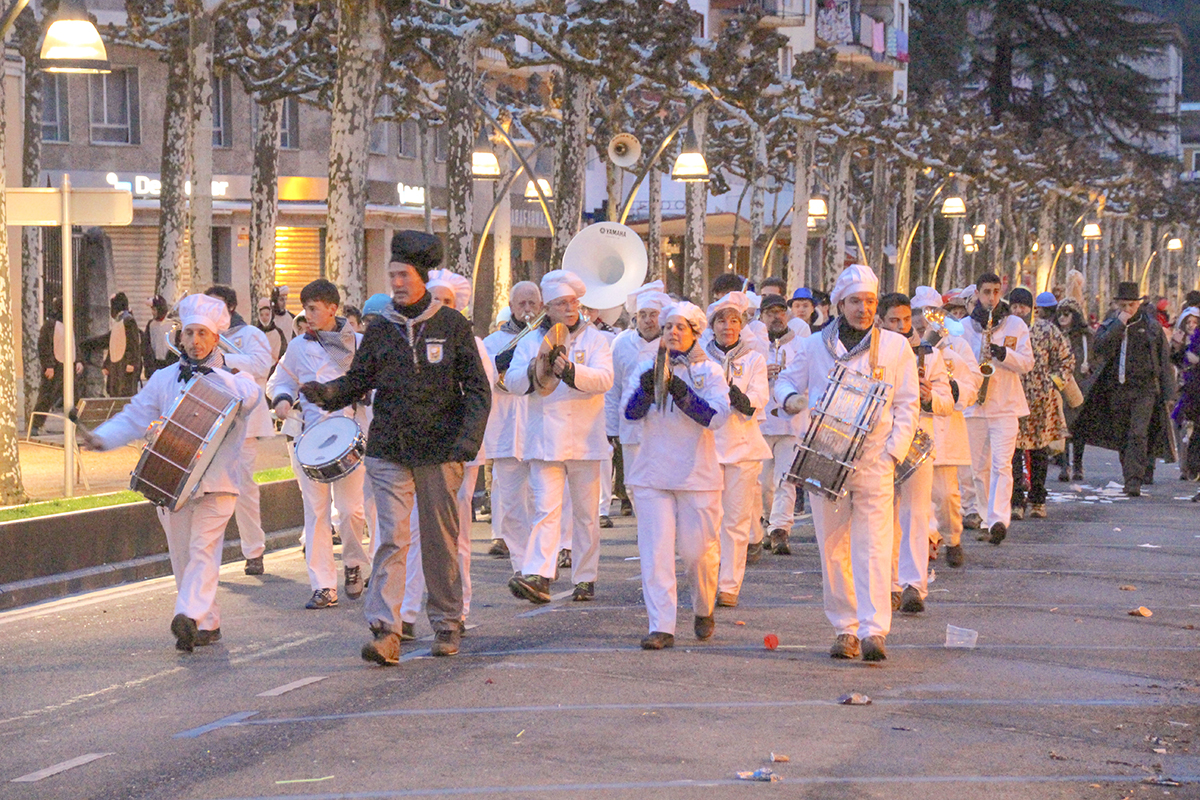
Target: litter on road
column 854, row 699
column 764, row 774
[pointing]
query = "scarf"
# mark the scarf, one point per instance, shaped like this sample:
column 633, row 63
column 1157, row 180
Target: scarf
column 189, row 366
column 339, row 343
column 980, row 314
column 512, row 326
column 407, row 318
column 726, row 357
column 235, row 321
column 829, row 336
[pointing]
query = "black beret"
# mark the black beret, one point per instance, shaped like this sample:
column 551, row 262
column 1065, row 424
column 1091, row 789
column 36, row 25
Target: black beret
column 1020, row 296
column 422, row 250
column 771, row 301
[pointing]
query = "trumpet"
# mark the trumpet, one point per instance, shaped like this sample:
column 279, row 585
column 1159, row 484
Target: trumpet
column 530, row 326
column 986, row 367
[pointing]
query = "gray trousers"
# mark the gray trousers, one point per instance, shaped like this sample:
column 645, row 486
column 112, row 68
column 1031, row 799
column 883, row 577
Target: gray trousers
column 435, row 487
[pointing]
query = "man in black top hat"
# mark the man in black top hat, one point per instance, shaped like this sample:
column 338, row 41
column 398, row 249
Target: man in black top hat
column 1125, row 408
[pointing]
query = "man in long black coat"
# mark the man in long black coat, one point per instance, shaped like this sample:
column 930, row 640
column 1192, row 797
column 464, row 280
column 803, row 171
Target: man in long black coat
column 1126, row 406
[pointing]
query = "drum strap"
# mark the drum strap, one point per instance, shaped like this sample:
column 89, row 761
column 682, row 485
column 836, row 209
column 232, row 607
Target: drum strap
column 874, row 357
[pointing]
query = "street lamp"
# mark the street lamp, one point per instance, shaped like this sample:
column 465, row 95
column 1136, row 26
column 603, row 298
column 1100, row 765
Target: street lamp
column 1091, row 231
column 953, row 207
column 981, row 230
column 968, row 242
column 817, row 208
column 531, row 190
column 72, row 43
column 1175, row 243
column 690, row 166
column 484, row 164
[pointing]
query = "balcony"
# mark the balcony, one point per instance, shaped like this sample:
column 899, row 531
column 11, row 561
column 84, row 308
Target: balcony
column 860, row 39
column 774, row 13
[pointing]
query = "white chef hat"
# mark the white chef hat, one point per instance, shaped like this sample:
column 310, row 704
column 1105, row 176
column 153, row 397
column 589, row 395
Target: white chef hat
column 968, row 292
column 633, row 301
column 738, row 301
column 854, row 279
column 561, row 283
column 926, row 297
column 753, row 300
column 690, row 312
column 455, row 283
column 200, row 309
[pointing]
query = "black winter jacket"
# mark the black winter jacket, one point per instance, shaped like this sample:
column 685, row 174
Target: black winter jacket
column 431, row 406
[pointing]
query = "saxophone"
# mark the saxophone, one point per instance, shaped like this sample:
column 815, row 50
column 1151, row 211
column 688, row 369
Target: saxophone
column 985, row 361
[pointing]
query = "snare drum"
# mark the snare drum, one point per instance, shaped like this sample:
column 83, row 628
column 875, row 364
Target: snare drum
column 918, row 453
column 331, row 449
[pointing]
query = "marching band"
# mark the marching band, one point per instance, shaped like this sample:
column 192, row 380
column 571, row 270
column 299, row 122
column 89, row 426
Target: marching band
column 895, row 420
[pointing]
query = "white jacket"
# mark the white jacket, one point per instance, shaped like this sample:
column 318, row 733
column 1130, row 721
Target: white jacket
column 256, row 361
column 893, row 431
column 629, row 350
column 155, row 400
column 942, row 401
column 676, row 452
column 306, row 360
column 504, row 436
column 951, row 447
column 740, row 438
column 490, row 369
column 783, row 351
column 1005, row 395
column 568, row 424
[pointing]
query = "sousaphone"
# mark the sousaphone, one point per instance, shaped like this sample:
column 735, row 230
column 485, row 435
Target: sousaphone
column 610, row 259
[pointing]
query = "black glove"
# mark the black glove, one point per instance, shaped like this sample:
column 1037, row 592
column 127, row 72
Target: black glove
column 954, row 390
column 316, row 392
column 504, row 360
column 615, row 441
column 568, row 374
column 647, row 381
column 999, row 351
column 677, row 388
column 739, row 400
column 462, row 454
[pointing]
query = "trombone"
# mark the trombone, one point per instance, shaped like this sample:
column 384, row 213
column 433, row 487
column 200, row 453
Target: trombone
column 530, row 326
column 172, row 333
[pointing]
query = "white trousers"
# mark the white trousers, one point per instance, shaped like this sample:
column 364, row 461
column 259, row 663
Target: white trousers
column 668, row 520
column 739, row 500
column 195, row 535
column 947, row 510
column 549, row 482
column 606, row 483
column 855, row 540
column 248, row 512
column 993, row 440
column 966, row 486
column 414, row 578
column 511, row 507
column 778, row 494
column 318, row 499
column 910, row 531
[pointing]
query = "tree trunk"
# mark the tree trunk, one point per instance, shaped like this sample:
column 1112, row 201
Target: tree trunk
column 359, row 68
column 426, row 156
column 797, row 275
column 572, row 158
column 614, row 182
column 695, row 258
column 31, row 237
column 172, row 202
column 264, row 201
column 201, row 91
column 881, row 192
column 502, row 277
column 908, row 210
column 1045, row 240
column 654, row 254
column 839, row 213
column 460, row 113
column 995, row 234
column 757, row 269
column 12, row 491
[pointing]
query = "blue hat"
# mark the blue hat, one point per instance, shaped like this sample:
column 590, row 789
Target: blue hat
column 1047, row 300
column 802, row 294
column 376, row 303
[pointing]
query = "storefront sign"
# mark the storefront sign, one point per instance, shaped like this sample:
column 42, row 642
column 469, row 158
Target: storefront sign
column 145, row 186
column 410, row 195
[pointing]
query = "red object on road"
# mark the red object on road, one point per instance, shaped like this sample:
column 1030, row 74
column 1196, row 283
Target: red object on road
column 771, row 641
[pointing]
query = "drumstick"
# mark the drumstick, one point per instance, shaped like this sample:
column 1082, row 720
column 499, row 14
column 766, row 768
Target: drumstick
column 73, row 415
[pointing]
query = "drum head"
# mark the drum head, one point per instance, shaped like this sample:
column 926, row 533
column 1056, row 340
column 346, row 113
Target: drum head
column 326, row 441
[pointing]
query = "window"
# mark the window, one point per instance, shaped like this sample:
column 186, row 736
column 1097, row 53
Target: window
column 380, row 128
column 114, row 107
column 222, row 110
column 55, row 126
column 289, row 124
column 410, row 136
column 785, row 61
column 441, row 144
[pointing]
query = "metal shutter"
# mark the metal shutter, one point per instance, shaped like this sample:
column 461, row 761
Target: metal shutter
column 298, row 261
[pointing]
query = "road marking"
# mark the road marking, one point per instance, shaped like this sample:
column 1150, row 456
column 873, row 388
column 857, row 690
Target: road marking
column 223, row 722
column 130, row 684
column 278, row 648
column 287, row 687
column 421, row 653
column 34, row 777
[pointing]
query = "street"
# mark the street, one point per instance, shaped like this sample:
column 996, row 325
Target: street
column 1065, row 696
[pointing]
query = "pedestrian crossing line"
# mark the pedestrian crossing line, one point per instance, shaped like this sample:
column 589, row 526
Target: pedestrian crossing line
column 63, row 766
column 287, row 687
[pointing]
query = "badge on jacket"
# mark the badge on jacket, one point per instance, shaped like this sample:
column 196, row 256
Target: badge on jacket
column 699, row 381
column 433, row 350
column 580, row 355
column 1010, row 341
column 736, row 370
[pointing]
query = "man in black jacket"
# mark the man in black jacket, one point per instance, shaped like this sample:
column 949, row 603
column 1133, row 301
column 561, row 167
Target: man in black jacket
column 431, row 407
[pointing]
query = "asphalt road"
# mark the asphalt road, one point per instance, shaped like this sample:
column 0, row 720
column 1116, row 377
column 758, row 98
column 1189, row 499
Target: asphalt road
column 1065, row 696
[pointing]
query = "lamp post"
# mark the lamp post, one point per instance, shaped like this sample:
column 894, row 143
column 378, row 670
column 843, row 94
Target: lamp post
column 818, row 212
column 903, row 257
column 689, row 166
column 1173, row 244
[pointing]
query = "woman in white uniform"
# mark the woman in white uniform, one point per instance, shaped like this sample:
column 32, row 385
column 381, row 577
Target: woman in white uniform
column 676, row 477
column 741, row 448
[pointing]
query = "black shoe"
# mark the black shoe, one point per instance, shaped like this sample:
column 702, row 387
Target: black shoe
column 337, row 538
column 564, row 559
column 626, row 508
column 658, row 641
column 584, row 591
column 997, row 532
column 1064, row 477
column 533, row 588
column 354, row 582
column 322, row 598
column 1018, row 512
column 184, row 628
column 1133, row 489
column 704, row 627
column 753, row 552
column 1077, row 475
column 954, row 555
column 973, row 521
column 779, row 542
column 846, row 645
column 383, row 650
column 205, row 638
column 445, row 643
column 896, row 601
column 910, row 600
column 254, row 566
column 408, row 632
column 605, row 521
column 873, row 649
column 499, row 549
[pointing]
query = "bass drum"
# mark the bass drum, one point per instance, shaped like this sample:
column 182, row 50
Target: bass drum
column 331, row 449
